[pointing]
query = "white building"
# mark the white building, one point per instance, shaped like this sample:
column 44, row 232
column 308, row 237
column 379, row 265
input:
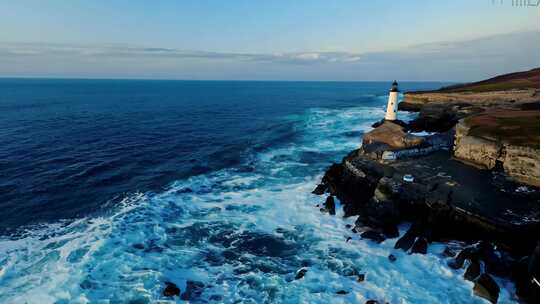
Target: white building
column 391, row 110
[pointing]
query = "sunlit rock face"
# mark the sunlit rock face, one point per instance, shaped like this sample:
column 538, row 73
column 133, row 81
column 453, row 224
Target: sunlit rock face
column 392, row 135
column 508, row 138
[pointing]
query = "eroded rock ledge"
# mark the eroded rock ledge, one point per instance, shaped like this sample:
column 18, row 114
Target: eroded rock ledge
column 430, row 182
column 439, row 112
column 508, row 139
column 448, row 200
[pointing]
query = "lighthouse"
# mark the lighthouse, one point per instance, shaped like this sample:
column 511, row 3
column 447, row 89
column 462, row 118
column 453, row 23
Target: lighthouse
column 391, row 110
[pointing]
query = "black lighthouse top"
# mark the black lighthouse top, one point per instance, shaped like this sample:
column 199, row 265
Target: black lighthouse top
column 394, row 87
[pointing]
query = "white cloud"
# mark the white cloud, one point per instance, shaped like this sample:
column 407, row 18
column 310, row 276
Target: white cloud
column 457, row 60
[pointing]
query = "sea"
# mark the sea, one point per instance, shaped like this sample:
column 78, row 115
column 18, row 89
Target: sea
column 111, row 188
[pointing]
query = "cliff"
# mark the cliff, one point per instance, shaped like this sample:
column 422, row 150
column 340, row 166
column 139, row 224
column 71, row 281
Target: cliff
column 475, row 180
column 497, row 122
column 510, row 139
column 441, row 109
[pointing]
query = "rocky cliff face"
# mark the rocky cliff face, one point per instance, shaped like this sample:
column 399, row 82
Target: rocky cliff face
column 510, row 139
column 497, row 127
column 392, row 135
column 439, row 112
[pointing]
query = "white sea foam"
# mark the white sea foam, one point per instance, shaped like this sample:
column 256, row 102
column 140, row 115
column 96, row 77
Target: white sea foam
column 215, row 233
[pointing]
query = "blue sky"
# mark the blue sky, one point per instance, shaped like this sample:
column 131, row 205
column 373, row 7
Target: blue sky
column 241, row 39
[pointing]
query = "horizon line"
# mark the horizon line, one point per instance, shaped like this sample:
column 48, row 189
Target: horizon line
column 212, row 80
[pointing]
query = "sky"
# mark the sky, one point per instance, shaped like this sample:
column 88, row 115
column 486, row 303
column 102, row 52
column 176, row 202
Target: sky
column 458, row 40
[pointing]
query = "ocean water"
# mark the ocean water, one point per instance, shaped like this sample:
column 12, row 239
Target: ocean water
column 110, row 188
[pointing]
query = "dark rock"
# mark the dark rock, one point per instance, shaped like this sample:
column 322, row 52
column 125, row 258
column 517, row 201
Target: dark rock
column 348, row 239
column 330, row 205
column 377, row 124
column 469, row 253
column 138, row 246
column 487, row 288
column 380, row 212
column 473, row 271
column 391, row 231
column 534, row 263
column 397, row 121
column 420, row 246
column 348, row 226
column 534, row 274
column 449, row 252
column 361, row 277
column 392, row 258
column 300, row 274
column 497, row 264
column 342, row 292
column 193, row 291
column 373, row 235
column 520, row 276
column 372, row 302
column 320, row 189
column 171, row 290
column 353, row 185
column 434, row 118
column 407, row 240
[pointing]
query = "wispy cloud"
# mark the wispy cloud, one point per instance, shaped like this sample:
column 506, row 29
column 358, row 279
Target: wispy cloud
column 123, row 52
column 455, row 60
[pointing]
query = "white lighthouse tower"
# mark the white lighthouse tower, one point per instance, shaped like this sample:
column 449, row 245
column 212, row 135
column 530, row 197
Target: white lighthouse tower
column 391, row 110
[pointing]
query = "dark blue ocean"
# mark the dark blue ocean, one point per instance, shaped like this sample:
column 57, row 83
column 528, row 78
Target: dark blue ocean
column 109, row 188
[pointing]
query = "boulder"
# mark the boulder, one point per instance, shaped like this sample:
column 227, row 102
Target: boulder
column 171, row 290
column 407, row 240
column 393, row 135
column 486, row 287
column 420, row 246
column 373, row 235
column 448, row 252
column 469, row 253
column 330, row 205
column 138, row 246
column 473, row 271
column 300, row 274
column 390, row 231
column 392, row 258
column 342, row 292
column 320, row 189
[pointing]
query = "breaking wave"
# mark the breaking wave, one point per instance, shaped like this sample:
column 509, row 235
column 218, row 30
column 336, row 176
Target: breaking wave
column 243, row 232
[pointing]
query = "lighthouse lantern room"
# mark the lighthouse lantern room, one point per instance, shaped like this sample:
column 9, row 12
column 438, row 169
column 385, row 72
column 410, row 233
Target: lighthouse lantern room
column 391, row 110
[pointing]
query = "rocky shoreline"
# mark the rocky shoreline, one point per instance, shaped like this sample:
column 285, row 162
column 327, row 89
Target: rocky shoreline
column 475, row 181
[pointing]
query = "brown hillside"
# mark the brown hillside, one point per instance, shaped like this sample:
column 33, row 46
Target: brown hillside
column 519, row 80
